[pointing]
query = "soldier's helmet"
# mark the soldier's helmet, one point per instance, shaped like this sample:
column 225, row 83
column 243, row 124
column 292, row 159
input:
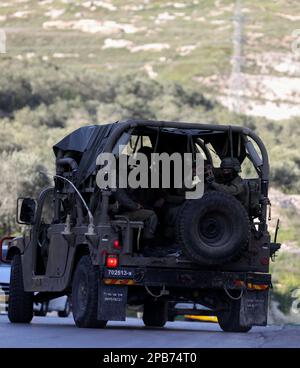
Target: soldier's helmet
column 231, row 163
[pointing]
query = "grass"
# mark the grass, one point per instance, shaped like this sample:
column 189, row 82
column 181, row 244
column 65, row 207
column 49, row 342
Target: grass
column 211, row 57
column 33, row 38
column 285, row 270
column 286, row 278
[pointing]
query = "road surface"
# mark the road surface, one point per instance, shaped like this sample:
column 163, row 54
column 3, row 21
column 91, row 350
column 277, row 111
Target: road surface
column 59, row 332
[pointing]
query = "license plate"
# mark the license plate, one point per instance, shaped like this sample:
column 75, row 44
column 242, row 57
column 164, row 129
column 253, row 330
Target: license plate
column 119, row 273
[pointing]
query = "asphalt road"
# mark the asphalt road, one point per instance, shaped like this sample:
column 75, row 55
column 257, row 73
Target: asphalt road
column 59, row 332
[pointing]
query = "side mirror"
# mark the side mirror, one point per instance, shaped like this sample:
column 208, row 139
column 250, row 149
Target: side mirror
column 4, row 244
column 26, row 210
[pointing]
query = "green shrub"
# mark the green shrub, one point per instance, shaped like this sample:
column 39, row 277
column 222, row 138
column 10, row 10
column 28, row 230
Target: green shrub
column 40, row 104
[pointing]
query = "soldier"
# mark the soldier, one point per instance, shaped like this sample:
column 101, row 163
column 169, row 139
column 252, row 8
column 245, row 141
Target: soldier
column 129, row 207
column 133, row 205
column 229, row 182
column 149, row 198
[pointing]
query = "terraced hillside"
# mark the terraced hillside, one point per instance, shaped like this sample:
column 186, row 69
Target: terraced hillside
column 189, row 42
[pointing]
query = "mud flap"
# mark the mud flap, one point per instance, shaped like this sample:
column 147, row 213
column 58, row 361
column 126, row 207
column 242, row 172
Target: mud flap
column 254, row 308
column 112, row 301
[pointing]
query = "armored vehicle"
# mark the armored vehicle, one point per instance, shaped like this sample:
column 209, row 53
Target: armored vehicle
column 81, row 244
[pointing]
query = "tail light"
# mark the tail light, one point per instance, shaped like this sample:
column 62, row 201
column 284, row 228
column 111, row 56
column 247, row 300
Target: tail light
column 112, row 261
column 264, row 261
column 117, row 244
column 239, row 283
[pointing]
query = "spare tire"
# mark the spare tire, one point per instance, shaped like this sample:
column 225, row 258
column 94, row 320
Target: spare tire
column 214, row 229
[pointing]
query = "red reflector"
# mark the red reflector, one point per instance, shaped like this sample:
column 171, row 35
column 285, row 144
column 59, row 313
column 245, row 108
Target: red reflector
column 239, row 283
column 264, row 261
column 112, row 261
column 117, row 244
column 257, row 287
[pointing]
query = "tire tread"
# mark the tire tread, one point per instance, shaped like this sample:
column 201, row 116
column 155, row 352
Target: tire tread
column 20, row 307
column 89, row 320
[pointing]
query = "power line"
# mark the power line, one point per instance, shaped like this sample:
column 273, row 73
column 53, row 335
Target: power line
column 236, row 78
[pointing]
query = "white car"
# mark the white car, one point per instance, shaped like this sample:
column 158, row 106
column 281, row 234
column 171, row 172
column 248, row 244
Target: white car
column 4, row 286
column 60, row 305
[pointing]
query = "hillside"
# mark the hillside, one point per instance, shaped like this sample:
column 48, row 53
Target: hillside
column 189, row 42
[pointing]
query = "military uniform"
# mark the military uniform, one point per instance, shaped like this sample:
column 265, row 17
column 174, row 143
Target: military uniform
column 130, row 208
column 234, row 185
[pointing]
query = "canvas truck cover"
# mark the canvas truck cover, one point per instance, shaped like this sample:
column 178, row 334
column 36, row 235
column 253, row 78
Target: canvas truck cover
column 87, row 142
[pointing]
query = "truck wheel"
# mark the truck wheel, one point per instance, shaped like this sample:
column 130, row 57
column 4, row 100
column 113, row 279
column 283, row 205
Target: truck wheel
column 214, row 229
column 20, row 307
column 85, row 295
column 66, row 312
column 155, row 313
column 229, row 320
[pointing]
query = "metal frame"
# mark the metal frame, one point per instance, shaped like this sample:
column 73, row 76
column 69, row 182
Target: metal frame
column 246, row 132
column 127, row 124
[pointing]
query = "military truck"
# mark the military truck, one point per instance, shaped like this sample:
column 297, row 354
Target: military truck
column 77, row 245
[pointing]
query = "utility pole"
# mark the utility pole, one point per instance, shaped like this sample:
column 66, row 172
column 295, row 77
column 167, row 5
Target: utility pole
column 236, row 84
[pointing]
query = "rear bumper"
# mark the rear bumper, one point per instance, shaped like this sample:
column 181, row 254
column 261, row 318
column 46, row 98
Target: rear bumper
column 187, row 278
column 119, row 285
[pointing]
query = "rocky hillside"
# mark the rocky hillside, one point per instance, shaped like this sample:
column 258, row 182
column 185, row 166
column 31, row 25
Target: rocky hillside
column 190, row 42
